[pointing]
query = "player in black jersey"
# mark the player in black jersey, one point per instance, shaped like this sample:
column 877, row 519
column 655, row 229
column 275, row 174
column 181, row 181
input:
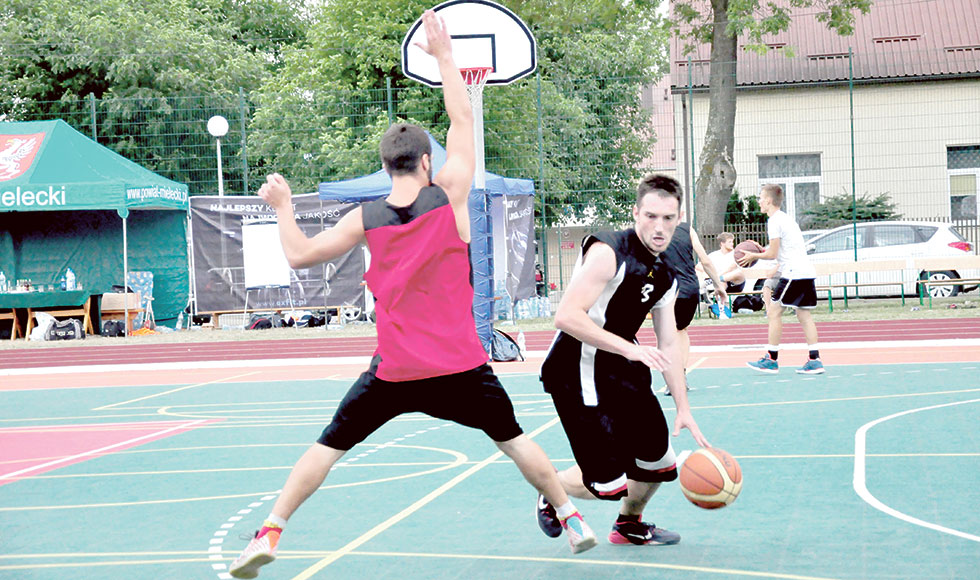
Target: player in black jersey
column 600, row 377
column 679, row 256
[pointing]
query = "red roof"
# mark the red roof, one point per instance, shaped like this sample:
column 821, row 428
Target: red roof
column 896, row 39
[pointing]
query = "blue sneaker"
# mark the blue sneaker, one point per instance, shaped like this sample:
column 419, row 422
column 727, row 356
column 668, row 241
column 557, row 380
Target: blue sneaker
column 715, row 313
column 580, row 535
column 812, row 367
column 765, row 365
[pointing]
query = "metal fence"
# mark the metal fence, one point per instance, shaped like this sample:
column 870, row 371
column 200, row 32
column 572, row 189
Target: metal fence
column 918, row 143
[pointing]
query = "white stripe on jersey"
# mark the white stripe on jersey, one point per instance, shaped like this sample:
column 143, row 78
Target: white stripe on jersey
column 598, row 315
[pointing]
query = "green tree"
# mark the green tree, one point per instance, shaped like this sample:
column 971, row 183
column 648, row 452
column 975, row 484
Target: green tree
column 742, row 212
column 841, row 209
column 322, row 117
column 721, row 23
column 142, row 61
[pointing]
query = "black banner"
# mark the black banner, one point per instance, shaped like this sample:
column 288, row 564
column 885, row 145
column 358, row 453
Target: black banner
column 519, row 217
column 219, row 271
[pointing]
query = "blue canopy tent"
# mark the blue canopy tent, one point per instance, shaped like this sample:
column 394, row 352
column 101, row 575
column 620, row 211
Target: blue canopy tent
column 490, row 210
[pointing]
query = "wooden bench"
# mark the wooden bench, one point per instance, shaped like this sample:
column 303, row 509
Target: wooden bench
column 838, row 273
column 844, row 268
column 14, row 325
column 63, row 312
column 750, row 274
column 115, row 305
column 951, row 264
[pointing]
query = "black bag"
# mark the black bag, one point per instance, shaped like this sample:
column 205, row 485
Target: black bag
column 748, row 302
column 113, row 328
column 70, row 329
column 259, row 323
column 504, row 348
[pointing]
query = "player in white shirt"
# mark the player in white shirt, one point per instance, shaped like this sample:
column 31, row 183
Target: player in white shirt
column 795, row 288
column 723, row 259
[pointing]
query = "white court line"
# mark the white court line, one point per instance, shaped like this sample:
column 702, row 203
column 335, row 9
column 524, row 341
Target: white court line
column 101, row 449
column 860, row 440
column 419, row 504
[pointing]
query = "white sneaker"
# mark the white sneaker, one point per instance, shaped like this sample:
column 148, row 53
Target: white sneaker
column 258, row 553
column 580, row 535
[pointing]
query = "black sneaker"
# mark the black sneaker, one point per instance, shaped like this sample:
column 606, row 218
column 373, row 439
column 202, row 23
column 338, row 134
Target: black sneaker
column 547, row 518
column 641, row 534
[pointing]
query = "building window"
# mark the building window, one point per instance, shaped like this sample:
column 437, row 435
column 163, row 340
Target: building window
column 799, row 176
column 963, row 167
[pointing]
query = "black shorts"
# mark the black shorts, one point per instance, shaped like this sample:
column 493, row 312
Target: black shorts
column 732, row 287
column 625, row 437
column 684, row 309
column 472, row 398
column 796, row 293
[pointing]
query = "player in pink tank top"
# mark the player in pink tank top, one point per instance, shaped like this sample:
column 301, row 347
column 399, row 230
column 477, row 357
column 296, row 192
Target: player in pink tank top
column 429, row 358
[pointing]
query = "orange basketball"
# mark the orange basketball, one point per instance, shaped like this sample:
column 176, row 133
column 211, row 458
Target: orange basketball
column 711, row 478
column 747, row 246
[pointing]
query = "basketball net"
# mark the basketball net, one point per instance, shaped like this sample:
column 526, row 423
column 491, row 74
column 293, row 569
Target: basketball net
column 475, row 79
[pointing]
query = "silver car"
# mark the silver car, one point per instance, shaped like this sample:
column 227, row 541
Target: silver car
column 893, row 240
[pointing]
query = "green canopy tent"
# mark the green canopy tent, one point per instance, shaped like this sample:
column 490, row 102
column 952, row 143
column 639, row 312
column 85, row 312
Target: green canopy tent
column 61, row 199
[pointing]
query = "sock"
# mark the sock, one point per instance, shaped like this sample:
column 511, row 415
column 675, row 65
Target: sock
column 273, row 523
column 624, row 519
column 565, row 510
column 773, row 351
column 814, row 352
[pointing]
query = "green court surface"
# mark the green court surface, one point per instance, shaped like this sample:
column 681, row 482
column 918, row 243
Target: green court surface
column 866, row 472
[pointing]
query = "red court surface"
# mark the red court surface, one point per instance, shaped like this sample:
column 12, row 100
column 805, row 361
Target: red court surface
column 29, row 451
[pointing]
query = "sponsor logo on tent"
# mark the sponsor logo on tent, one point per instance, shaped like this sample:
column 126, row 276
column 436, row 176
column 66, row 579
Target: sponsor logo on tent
column 27, row 198
column 156, row 192
column 17, row 154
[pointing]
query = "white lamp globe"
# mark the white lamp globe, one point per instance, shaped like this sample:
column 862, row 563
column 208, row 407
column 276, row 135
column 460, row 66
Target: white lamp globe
column 218, row 126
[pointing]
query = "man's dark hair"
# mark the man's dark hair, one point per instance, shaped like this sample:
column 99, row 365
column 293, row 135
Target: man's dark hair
column 402, row 147
column 663, row 185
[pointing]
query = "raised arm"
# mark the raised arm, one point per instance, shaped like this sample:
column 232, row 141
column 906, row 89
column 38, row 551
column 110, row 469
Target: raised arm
column 301, row 251
column 456, row 175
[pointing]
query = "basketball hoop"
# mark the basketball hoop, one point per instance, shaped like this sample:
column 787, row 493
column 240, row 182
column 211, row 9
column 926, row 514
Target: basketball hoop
column 475, row 79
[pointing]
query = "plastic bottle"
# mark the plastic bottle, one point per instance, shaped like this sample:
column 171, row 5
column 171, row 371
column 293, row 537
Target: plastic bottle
column 3, row 282
column 69, row 280
column 545, row 307
column 64, row 284
column 180, row 320
column 503, row 306
column 521, row 342
column 522, row 310
column 534, row 304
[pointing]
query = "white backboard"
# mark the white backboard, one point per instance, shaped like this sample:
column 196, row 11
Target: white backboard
column 484, row 33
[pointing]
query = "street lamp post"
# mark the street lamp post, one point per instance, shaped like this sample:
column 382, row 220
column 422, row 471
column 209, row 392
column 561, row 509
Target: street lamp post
column 218, row 127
